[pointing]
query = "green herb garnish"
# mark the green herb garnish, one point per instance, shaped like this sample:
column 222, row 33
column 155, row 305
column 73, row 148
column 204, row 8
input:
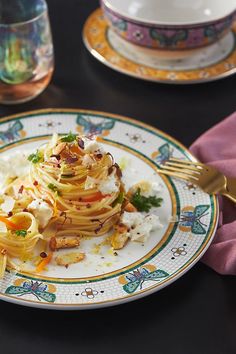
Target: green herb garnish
column 35, row 158
column 119, row 199
column 69, row 138
column 22, row 233
column 145, row 203
column 54, row 188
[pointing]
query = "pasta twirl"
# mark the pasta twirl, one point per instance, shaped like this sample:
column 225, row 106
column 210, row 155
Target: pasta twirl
column 73, row 187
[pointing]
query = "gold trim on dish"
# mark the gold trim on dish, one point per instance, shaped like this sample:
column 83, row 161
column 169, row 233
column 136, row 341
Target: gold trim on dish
column 100, row 113
column 98, row 45
column 141, row 293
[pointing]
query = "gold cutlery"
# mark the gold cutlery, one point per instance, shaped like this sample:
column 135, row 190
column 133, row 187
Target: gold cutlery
column 208, row 178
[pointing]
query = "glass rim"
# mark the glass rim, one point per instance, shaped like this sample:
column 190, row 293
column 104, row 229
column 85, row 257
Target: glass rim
column 22, row 23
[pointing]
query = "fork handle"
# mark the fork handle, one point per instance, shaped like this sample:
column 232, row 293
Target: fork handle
column 230, row 189
column 230, row 197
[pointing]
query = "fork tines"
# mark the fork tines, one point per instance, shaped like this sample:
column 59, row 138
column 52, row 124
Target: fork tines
column 186, row 162
column 188, row 170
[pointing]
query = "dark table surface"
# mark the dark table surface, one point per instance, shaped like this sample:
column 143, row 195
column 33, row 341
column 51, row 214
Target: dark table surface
column 196, row 314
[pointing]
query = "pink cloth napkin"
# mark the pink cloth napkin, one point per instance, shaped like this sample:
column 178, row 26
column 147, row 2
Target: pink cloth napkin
column 217, row 147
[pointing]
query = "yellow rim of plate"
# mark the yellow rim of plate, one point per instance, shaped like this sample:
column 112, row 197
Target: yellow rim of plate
column 141, row 293
column 95, row 39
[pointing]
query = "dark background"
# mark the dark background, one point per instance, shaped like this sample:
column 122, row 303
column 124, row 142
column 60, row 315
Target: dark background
column 196, row 314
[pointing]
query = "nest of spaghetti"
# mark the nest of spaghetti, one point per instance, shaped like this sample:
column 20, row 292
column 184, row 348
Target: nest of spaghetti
column 73, row 189
column 80, row 181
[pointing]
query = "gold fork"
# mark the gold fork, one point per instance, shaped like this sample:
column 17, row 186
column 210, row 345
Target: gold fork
column 208, row 178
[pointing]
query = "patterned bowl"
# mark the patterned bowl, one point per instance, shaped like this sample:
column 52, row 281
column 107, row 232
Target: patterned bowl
column 170, row 24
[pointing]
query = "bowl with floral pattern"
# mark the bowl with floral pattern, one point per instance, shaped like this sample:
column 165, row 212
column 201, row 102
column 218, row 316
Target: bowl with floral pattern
column 170, row 24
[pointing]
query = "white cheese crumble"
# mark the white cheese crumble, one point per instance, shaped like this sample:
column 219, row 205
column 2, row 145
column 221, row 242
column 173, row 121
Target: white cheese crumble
column 140, row 225
column 87, row 160
column 92, row 146
column 107, row 186
column 152, row 189
column 147, row 188
column 8, row 204
column 91, row 183
column 12, row 166
column 42, row 211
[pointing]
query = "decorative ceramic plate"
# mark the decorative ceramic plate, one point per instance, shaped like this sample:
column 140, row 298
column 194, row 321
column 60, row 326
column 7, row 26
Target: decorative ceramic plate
column 180, row 67
column 189, row 217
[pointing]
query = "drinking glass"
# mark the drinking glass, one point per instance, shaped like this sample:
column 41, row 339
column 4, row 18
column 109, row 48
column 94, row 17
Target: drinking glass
column 26, row 50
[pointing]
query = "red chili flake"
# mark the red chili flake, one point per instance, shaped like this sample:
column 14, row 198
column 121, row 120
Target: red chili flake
column 58, row 157
column 110, row 170
column 99, row 156
column 81, row 143
column 71, row 159
column 25, row 210
column 118, row 170
column 88, row 206
column 59, row 166
column 35, row 183
column 97, row 229
column 43, row 255
column 10, row 214
column 21, row 189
